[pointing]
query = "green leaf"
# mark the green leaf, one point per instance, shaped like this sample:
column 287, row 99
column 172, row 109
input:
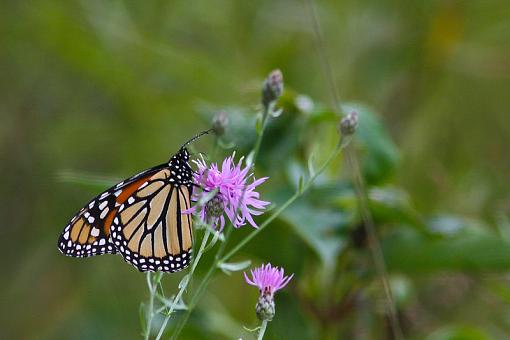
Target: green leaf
column 217, row 235
column 311, row 167
column 258, row 124
column 275, row 113
column 392, row 205
column 387, row 204
column 411, row 252
column 179, row 305
column 451, row 225
column 301, row 184
column 315, row 226
column 249, row 158
column 229, row 267
column 295, row 173
column 141, row 316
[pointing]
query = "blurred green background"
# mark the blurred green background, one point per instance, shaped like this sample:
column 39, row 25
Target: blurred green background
column 108, row 88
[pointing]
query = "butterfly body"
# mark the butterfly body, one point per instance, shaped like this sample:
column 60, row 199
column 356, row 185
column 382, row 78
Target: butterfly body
column 140, row 218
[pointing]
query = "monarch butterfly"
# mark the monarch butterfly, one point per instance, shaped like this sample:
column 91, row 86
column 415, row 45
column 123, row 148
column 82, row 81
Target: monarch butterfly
column 140, row 218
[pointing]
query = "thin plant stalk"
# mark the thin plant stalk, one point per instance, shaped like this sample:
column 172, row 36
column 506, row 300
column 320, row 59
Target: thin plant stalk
column 262, row 330
column 260, row 134
column 374, row 243
column 153, row 287
column 178, row 297
column 194, row 300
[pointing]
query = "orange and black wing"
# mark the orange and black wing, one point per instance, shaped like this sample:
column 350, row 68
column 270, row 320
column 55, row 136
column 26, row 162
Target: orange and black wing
column 88, row 232
column 150, row 231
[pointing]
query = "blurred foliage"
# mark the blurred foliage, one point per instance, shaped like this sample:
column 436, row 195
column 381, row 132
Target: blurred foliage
column 96, row 90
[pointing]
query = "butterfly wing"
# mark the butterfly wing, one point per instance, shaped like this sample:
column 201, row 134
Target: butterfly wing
column 149, row 230
column 88, row 232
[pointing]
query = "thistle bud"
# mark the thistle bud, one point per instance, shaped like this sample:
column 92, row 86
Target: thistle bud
column 272, row 88
column 265, row 306
column 214, row 207
column 220, row 122
column 349, row 124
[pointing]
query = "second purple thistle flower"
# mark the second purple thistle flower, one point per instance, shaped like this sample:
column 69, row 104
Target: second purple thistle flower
column 235, row 196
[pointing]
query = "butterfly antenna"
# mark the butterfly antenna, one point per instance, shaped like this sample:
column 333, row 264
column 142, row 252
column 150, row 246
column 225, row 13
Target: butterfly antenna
column 197, row 136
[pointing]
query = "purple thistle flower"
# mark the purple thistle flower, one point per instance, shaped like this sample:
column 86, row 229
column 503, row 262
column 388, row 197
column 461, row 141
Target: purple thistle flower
column 269, row 280
column 233, row 193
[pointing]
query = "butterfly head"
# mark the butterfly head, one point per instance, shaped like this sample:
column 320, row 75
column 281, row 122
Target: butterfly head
column 181, row 172
column 178, row 164
column 183, row 155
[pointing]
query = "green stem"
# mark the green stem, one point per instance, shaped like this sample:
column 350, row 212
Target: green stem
column 258, row 142
column 151, row 308
column 262, row 330
column 201, row 287
column 186, row 283
column 153, row 285
column 194, row 300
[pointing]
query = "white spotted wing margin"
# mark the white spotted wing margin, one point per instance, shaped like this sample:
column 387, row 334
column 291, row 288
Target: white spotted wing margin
column 88, row 232
column 150, row 231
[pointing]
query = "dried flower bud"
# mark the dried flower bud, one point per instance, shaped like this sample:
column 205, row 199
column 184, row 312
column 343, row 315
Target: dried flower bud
column 220, row 122
column 265, row 306
column 349, row 124
column 273, row 87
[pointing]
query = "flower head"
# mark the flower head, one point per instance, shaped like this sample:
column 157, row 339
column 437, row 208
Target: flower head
column 235, row 196
column 269, row 280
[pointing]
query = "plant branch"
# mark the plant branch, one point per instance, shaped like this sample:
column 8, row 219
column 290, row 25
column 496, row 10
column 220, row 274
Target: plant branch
column 178, row 297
